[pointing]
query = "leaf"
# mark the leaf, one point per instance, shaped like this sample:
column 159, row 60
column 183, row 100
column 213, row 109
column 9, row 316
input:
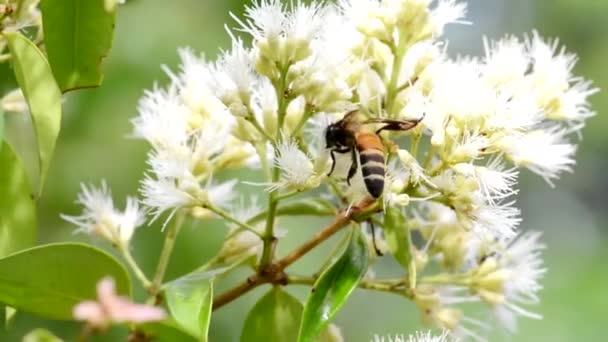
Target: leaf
column 274, row 317
column 17, row 208
column 49, row 280
column 397, row 236
column 77, row 36
column 333, row 288
column 304, row 207
column 165, row 332
column 1, row 128
column 190, row 305
column 41, row 335
column 42, row 95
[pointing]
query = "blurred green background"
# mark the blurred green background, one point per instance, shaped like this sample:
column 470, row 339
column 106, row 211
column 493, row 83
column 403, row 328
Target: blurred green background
column 93, row 145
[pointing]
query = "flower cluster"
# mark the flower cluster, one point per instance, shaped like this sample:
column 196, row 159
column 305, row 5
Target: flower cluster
column 266, row 106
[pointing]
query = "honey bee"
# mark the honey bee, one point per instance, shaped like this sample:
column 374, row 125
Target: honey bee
column 347, row 136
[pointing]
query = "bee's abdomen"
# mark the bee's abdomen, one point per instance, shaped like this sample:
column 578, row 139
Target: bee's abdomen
column 372, row 163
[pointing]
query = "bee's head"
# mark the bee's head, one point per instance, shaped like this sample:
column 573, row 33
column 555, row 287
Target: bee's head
column 332, row 135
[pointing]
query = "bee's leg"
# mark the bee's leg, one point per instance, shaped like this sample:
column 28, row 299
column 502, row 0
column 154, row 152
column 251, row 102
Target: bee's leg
column 373, row 228
column 333, row 162
column 353, row 167
column 333, row 157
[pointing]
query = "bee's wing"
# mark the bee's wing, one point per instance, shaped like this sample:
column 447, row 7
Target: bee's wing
column 394, row 125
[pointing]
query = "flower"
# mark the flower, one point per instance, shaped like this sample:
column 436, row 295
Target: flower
column 110, row 308
column 417, row 337
column 509, row 279
column 99, row 216
column 545, row 152
column 296, row 167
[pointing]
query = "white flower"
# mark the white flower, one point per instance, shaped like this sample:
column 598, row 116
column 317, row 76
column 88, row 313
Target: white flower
column 447, row 12
column 417, row 337
column 296, row 167
column 163, row 119
column 506, row 62
column 543, row 151
column 221, row 194
column 494, row 181
column 499, row 220
column 509, row 279
column 99, row 216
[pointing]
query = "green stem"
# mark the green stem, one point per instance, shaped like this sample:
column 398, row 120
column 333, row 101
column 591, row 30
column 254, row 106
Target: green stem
column 268, row 237
column 392, row 89
column 273, row 200
column 375, row 285
column 165, row 255
column 303, row 120
column 232, row 219
column 145, row 282
column 252, row 119
column 415, row 143
column 430, row 153
column 442, row 279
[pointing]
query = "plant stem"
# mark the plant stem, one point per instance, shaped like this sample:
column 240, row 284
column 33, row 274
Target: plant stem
column 126, row 254
column 232, row 219
column 268, row 237
column 415, row 142
column 375, row 285
column 227, row 297
column 254, row 121
column 273, row 200
column 165, row 255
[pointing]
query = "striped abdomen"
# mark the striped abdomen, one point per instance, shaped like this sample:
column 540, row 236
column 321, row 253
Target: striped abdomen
column 371, row 156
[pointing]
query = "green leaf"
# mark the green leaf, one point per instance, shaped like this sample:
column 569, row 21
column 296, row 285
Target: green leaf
column 397, row 236
column 304, row 207
column 42, row 95
column 41, row 335
column 17, row 208
column 274, row 317
column 50, row 280
column 333, row 288
column 77, row 36
column 1, row 128
column 190, row 305
column 165, row 332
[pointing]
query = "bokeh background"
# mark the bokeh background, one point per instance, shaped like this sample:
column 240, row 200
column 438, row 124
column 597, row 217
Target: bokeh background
column 94, row 145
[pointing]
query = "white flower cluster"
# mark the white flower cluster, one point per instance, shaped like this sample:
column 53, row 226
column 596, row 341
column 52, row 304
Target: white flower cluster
column 417, row 337
column 101, row 218
column 482, row 120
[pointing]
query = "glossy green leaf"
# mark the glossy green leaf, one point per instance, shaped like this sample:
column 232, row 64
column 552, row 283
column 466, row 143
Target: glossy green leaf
column 41, row 335
column 42, row 95
column 190, row 304
column 275, row 317
column 50, row 280
column 397, row 236
column 17, row 208
column 303, row 207
column 77, row 36
column 333, row 288
column 165, row 332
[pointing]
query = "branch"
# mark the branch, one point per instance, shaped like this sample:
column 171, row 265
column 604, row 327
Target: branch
column 251, row 283
column 274, row 273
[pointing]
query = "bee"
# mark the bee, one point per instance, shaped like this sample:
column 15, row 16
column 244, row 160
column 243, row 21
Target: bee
column 348, row 136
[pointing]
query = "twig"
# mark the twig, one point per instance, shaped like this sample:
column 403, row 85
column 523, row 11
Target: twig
column 274, row 273
column 232, row 294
